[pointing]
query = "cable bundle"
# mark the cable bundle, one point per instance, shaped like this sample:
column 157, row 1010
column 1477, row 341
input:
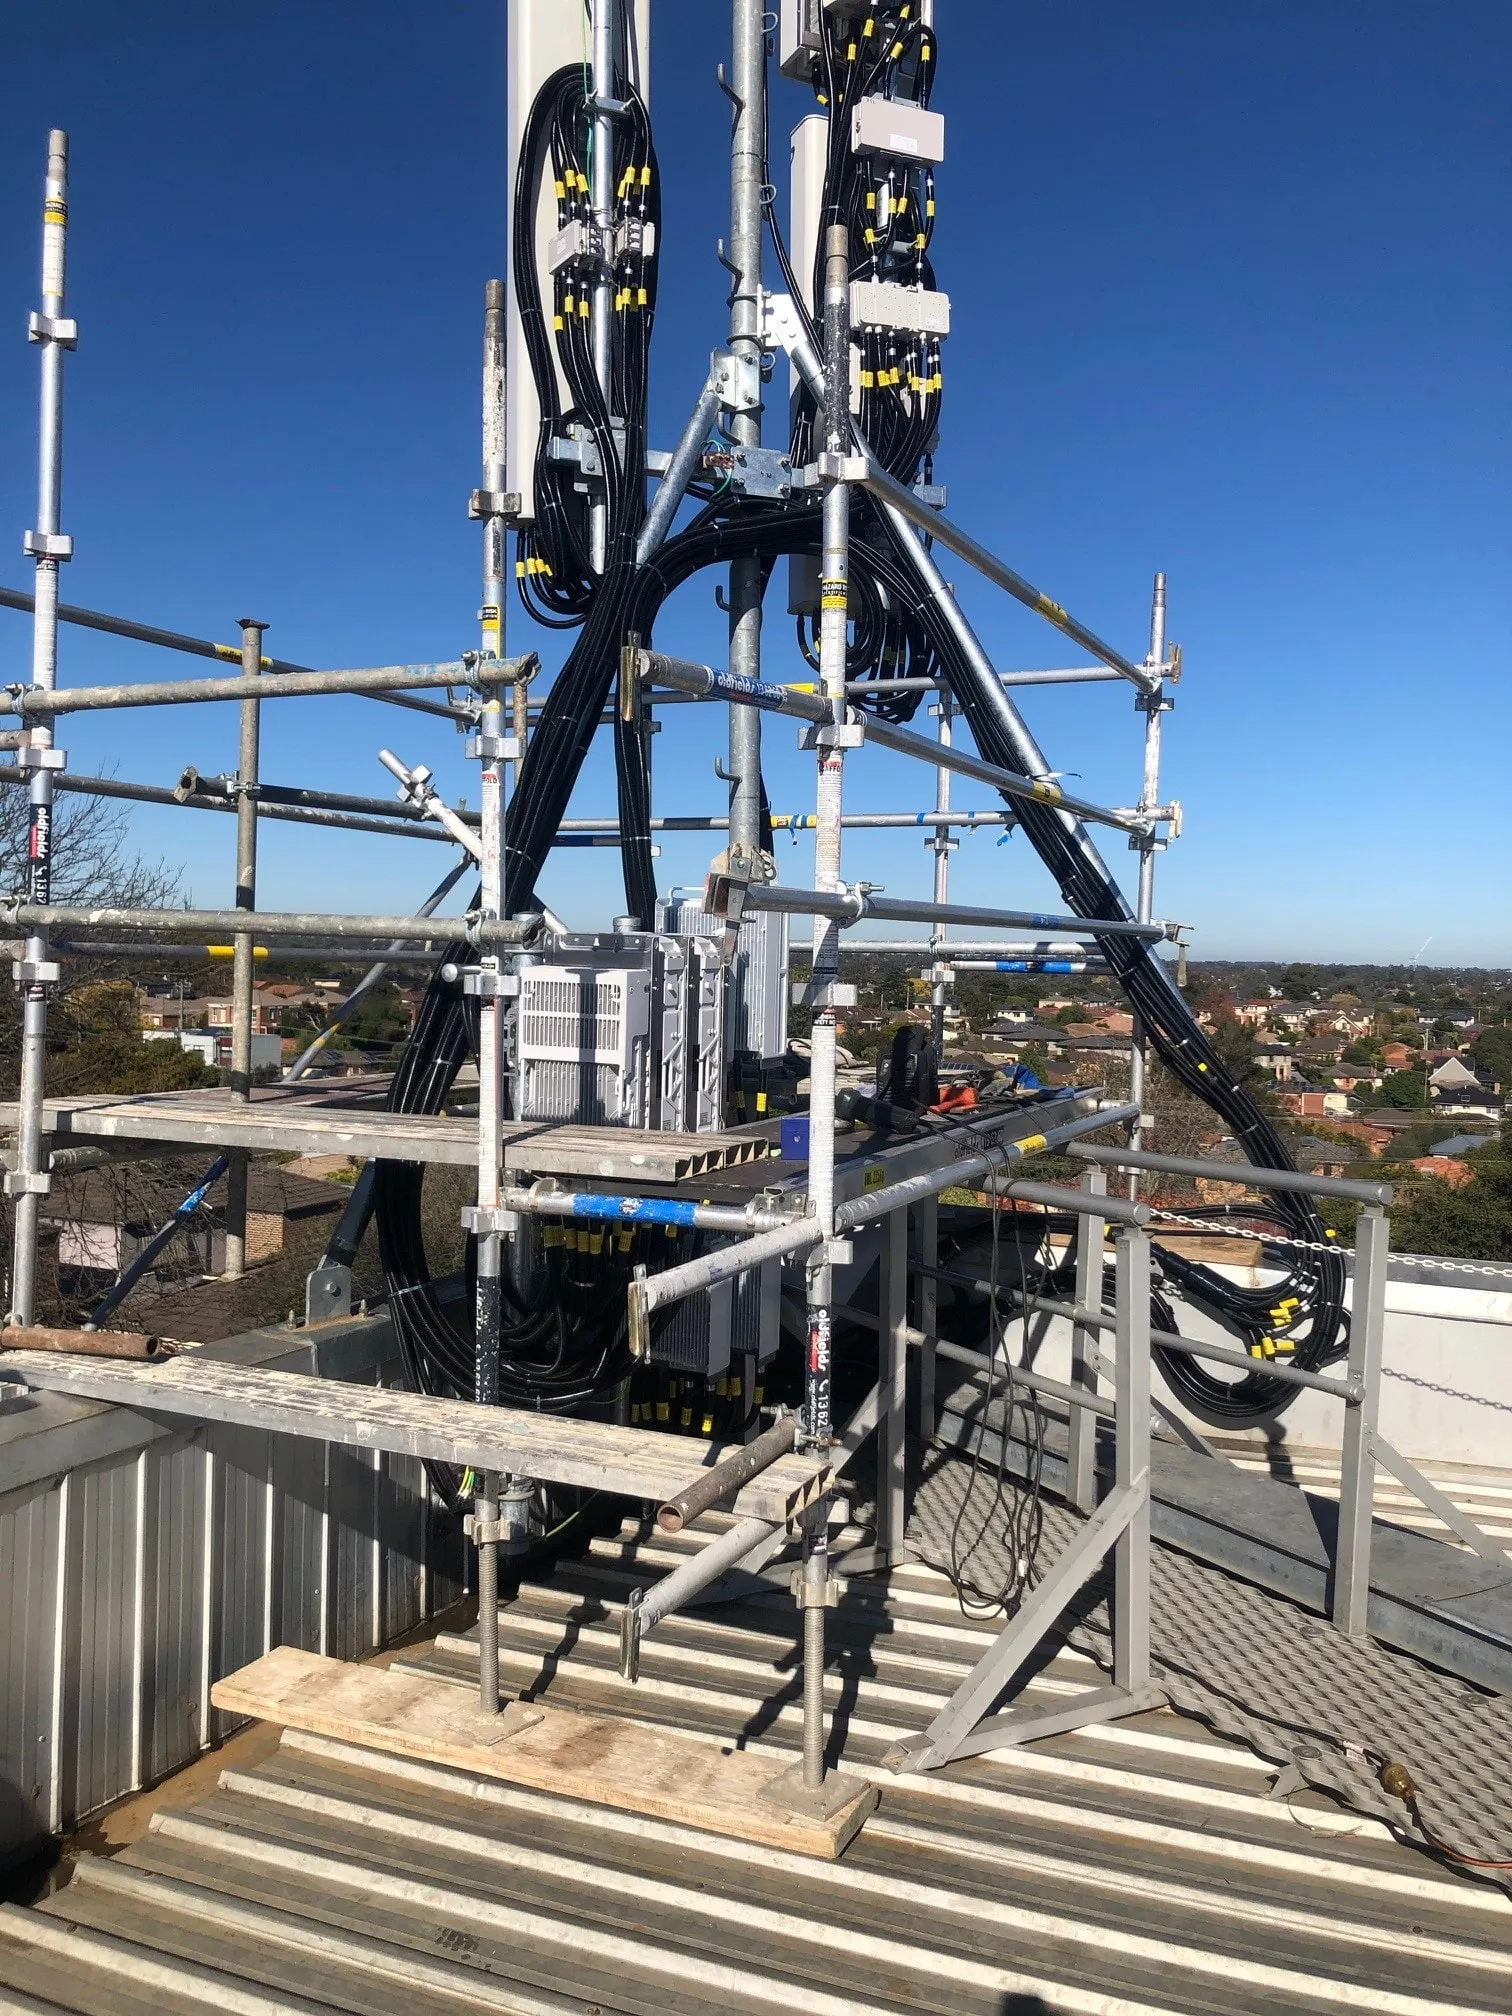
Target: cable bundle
column 563, row 1344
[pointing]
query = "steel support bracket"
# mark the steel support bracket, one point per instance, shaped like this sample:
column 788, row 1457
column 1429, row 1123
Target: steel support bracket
column 494, row 504
column 832, row 735
column 841, row 468
column 328, row 1293
column 824, row 994
column 483, row 748
column 781, row 324
column 755, row 472
column 36, row 972
column 737, row 380
column 48, row 545
column 834, row 1253
column 57, row 329
column 487, row 984
column 27, row 1183
column 486, row 1221
column 725, row 888
column 30, row 757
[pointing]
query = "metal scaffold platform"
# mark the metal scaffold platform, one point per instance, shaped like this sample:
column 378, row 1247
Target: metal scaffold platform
column 661, row 1752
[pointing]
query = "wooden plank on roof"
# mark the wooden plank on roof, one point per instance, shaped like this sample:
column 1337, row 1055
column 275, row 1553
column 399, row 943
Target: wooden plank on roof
column 606, row 1760
column 594, row 1455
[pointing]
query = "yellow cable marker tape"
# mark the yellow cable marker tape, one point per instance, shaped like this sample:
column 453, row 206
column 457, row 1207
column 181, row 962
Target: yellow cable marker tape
column 1049, row 793
column 1032, row 1144
column 874, row 1177
column 1053, row 610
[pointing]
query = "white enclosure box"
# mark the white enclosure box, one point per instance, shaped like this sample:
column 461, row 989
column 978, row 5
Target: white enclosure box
column 897, row 127
column 878, row 304
column 545, row 35
column 583, row 1045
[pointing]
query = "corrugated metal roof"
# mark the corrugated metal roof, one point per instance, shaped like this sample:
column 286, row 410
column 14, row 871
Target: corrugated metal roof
column 1481, row 1492
column 1135, row 1867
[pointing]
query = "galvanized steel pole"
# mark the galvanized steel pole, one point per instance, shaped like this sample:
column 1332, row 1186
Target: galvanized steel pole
column 942, row 844
column 830, row 738
column 493, row 748
column 29, row 1181
column 1152, row 706
column 242, row 966
column 747, row 140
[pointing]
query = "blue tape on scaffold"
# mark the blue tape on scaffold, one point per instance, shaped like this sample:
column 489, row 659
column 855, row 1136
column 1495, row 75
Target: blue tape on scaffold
column 635, row 1210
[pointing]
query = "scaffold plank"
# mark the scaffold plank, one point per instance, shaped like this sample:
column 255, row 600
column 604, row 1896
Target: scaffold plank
column 326, row 1120
column 594, row 1455
column 606, row 1760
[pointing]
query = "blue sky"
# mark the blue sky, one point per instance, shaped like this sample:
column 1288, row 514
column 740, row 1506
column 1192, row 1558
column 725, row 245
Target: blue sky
column 1231, row 299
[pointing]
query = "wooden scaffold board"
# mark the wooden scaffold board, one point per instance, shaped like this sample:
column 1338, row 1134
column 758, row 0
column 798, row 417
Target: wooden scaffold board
column 606, row 1760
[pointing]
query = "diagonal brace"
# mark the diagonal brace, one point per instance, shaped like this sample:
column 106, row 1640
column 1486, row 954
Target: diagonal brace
column 953, row 1726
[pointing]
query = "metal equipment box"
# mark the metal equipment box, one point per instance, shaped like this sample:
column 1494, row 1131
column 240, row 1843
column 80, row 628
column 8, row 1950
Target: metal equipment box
column 755, row 994
column 705, row 1331
column 583, row 1045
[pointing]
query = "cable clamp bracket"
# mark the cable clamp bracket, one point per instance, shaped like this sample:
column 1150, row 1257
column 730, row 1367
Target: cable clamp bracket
column 842, row 468
column 824, row 994
column 27, row 1183
column 36, row 972
column 833, row 734
column 57, row 329
column 486, row 748
column 494, row 504
column 48, row 545
column 485, row 983
column 30, row 757
column 489, row 1221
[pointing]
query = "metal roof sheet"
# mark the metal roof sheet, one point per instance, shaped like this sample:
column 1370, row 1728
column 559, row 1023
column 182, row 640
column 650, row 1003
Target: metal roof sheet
column 1132, row 1867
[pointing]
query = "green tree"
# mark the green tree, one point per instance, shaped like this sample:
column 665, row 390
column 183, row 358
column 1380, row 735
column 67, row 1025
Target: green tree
column 1468, row 1221
column 1491, row 1052
column 95, row 1044
column 1407, row 1091
column 382, row 1018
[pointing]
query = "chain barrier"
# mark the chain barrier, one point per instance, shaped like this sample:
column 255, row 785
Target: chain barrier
column 1448, row 1392
column 1214, row 1227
